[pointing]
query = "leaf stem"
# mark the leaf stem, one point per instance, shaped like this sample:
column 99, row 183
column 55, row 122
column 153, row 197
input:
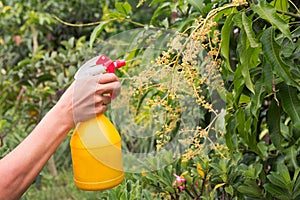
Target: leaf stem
column 288, row 13
column 96, row 23
column 291, row 2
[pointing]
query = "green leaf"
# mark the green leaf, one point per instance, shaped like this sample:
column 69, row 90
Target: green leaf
column 245, row 55
column 157, row 1
column 96, row 32
column 276, row 191
column 44, row 77
column 230, row 137
column 273, row 121
column 284, row 172
column 165, row 23
column 163, row 9
column 229, row 190
column 271, row 50
column 2, row 123
column 244, row 128
column 197, row 4
column 290, row 103
column 257, row 99
column 267, row 76
column 244, row 66
column 296, row 185
column 147, row 195
column 277, row 179
column 225, row 43
column 253, row 171
column 124, row 8
column 60, row 78
column 250, row 188
column 238, row 89
column 263, row 148
column 281, row 4
column 268, row 13
column 249, row 31
column 291, row 156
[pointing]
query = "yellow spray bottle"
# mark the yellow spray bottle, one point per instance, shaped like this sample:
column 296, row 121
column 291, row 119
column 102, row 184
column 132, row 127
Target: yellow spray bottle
column 96, row 147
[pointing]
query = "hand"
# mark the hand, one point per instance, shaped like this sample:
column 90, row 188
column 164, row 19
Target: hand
column 89, row 96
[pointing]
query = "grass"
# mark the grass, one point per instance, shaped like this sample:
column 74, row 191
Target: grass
column 48, row 187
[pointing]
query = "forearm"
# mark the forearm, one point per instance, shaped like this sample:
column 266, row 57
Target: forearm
column 19, row 168
column 84, row 99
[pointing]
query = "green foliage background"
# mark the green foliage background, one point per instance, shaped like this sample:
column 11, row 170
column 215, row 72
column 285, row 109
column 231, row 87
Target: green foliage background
column 255, row 152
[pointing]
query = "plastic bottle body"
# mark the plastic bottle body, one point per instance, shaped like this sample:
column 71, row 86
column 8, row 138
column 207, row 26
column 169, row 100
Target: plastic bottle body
column 96, row 155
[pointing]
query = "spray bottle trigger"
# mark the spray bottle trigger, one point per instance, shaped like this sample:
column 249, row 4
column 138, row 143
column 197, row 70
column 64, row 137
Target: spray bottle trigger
column 110, row 65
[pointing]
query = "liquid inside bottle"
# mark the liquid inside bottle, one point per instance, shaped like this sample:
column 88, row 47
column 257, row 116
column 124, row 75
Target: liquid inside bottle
column 96, row 155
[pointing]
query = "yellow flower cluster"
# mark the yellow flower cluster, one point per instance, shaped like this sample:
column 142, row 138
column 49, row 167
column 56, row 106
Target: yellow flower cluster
column 190, row 67
column 239, row 2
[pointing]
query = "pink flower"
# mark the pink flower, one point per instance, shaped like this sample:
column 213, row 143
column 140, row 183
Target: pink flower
column 196, row 183
column 178, row 179
column 181, row 187
column 178, row 182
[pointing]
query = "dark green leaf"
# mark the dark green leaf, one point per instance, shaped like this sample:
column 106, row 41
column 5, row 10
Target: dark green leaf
column 273, row 121
column 257, row 99
column 290, row 103
column 230, row 130
column 267, row 76
column 277, row 180
column 43, row 78
column 276, row 191
column 267, row 12
column 271, row 51
column 250, row 188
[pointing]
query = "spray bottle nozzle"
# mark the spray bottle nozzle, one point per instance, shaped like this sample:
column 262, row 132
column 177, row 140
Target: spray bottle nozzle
column 110, row 65
column 119, row 63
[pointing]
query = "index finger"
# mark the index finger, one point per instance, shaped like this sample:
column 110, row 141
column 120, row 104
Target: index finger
column 107, row 78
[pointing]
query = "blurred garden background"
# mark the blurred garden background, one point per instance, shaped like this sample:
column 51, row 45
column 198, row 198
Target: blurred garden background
column 210, row 103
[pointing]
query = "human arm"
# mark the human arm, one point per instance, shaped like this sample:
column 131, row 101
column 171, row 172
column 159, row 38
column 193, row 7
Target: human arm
column 20, row 167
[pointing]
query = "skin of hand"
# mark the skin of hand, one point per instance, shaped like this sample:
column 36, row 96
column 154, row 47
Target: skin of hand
column 81, row 101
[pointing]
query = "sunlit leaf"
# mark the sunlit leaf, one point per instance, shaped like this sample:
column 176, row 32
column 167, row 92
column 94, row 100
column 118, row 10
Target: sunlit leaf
column 123, row 7
column 281, row 4
column 96, row 32
column 249, row 31
column 246, row 56
column 225, row 43
column 291, row 156
column 197, row 4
